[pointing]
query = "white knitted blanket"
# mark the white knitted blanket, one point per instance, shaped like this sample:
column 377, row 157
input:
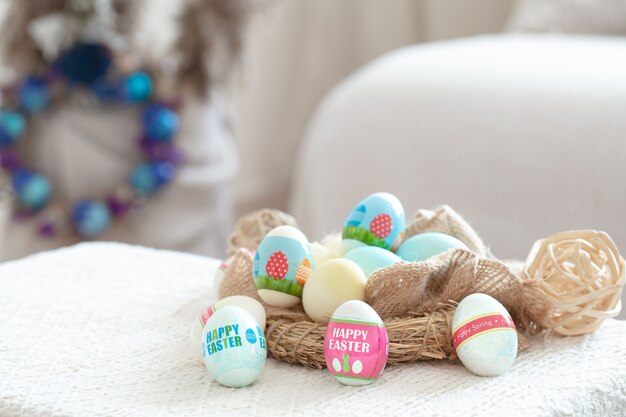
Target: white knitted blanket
column 102, row 329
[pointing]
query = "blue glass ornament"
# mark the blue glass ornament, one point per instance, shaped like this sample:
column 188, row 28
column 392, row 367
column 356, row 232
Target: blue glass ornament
column 160, row 123
column 33, row 94
column 163, row 172
column 142, row 180
column 84, row 63
column 91, row 218
column 33, row 190
column 12, row 126
column 137, row 87
column 148, row 178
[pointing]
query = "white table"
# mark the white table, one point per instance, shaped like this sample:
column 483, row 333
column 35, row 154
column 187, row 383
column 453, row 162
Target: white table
column 102, row 330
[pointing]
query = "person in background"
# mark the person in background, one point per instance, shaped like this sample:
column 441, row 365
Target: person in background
column 114, row 123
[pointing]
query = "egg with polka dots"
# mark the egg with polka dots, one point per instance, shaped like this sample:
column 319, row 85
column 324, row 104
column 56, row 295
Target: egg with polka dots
column 282, row 265
column 376, row 221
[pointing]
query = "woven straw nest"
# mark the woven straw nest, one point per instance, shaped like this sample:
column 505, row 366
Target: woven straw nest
column 417, row 300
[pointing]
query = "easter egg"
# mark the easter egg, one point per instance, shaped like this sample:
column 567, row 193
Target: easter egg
column 233, row 347
column 356, row 344
column 371, row 258
column 251, row 305
column 282, row 264
column 375, row 221
column 426, row 245
column 221, row 270
column 330, row 285
column 483, row 335
column 330, row 247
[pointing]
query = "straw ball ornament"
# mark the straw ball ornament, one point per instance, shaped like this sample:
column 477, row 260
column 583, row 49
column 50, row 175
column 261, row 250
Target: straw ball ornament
column 582, row 275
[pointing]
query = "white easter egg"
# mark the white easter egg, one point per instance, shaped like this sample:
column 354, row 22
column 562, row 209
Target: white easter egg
column 336, row 365
column 233, row 347
column 484, row 336
column 221, row 270
column 249, row 304
column 330, row 285
column 282, row 264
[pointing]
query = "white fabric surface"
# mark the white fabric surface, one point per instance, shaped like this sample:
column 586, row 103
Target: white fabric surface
column 87, row 152
column 521, row 134
column 103, row 330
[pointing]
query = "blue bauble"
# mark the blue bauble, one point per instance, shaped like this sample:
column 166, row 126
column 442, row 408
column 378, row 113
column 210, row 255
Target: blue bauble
column 33, row 94
column 160, row 123
column 142, row 180
column 91, row 218
column 84, row 63
column 137, row 87
column 33, row 190
column 12, row 126
column 148, row 178
column 163, row 172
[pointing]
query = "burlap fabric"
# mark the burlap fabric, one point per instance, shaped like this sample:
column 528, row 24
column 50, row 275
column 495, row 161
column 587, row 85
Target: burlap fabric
column 250, row 229
column 415, row 300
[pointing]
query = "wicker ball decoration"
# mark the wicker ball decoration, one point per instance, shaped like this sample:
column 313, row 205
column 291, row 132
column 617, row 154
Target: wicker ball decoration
column 582, row 275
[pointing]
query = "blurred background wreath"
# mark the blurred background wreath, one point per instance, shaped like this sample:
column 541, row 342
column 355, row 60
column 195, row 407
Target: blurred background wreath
column 86, row 146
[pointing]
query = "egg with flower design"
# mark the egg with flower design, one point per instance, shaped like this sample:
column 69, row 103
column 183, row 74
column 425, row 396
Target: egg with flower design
column 376, row 221
column 282, row 264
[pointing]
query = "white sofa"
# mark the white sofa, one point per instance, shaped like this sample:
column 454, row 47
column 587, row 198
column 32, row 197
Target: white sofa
column 525, row 135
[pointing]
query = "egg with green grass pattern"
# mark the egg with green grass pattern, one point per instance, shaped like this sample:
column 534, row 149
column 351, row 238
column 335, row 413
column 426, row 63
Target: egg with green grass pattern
column 282, row 264
column 376, row 221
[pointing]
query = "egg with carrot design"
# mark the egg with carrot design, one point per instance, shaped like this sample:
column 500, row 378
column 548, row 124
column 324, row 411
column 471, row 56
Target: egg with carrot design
column 303, row 272
column 282, row 264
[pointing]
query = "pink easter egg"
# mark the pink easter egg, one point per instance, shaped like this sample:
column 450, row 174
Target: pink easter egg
column 356, row 345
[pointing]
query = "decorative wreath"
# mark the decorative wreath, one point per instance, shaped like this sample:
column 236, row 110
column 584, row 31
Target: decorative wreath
column 570, row 283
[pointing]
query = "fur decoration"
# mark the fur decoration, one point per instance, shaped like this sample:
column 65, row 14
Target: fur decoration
column 192, row 45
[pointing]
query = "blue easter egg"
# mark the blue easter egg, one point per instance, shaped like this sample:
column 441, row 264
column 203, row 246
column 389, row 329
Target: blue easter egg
column 426, row 245
column 12, row 125
column 160, row 123
column 372, row 258
column 91, row 218
column 375, row 221
column 233, row 354
column 282, row 264
column 33, row 94
column 33, row 190
column 137, row 87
